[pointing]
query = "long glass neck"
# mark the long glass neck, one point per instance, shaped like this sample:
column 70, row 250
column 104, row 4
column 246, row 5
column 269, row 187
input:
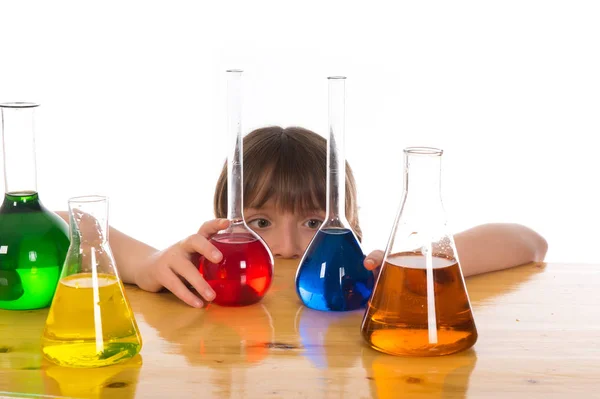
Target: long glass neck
column 336, row 160
column 18, row 141
column 235, row 170
column 422, row 177
column 88, row 217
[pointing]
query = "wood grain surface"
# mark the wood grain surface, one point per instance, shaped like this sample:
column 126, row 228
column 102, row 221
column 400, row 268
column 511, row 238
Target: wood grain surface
column 539, row 337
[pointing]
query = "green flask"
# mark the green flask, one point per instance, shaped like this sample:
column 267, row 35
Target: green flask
column 33, row 240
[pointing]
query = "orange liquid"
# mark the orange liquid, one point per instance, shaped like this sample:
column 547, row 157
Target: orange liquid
column 398, row 320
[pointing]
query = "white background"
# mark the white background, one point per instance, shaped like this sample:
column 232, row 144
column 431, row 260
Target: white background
column 133, row 107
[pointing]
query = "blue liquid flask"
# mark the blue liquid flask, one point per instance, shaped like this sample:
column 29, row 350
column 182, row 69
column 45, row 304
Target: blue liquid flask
column 331, row 275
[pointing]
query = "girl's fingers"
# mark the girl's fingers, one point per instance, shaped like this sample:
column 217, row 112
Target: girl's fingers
column 171, row 282
column 198, row 243
column 374, row 260
column 181, row 267
column 212, row 227
column 190, row 273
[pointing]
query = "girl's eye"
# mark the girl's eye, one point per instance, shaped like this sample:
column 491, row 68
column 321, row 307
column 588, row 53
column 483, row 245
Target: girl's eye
column 260, row 223
column 313, row 223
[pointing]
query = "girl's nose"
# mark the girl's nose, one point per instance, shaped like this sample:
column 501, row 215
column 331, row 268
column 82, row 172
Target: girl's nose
column 287, row 245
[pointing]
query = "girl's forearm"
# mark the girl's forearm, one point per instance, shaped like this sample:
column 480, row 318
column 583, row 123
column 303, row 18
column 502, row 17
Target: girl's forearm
column 130, row 254
column 497, row 246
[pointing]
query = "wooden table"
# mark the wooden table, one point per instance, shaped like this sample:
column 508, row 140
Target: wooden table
column 539, row 337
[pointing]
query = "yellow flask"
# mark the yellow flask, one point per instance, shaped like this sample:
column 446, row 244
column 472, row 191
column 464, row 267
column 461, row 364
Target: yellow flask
column 90, row 323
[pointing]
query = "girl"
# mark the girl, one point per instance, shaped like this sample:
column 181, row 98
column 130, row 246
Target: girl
column 284, row 202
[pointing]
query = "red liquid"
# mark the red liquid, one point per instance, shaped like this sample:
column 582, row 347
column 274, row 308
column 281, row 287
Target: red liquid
column 245, row 273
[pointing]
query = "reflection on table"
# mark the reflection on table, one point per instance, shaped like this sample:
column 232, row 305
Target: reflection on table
column 279, row 348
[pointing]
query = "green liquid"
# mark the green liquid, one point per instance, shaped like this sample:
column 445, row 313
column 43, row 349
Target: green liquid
column 33, row 247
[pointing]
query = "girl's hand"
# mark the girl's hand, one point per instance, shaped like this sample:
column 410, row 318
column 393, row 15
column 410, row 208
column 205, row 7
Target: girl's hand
column 374, row 260
column 169, row 267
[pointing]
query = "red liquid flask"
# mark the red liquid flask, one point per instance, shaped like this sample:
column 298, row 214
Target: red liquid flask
column 245, row 272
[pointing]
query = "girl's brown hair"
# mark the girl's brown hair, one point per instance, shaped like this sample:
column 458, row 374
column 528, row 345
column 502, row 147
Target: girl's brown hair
column 288, row 165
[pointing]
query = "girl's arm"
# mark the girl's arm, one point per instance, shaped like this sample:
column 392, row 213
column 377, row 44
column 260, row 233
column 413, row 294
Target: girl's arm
column 129, row 253
column 152, row 270
column 490, row 247
column 497, row 246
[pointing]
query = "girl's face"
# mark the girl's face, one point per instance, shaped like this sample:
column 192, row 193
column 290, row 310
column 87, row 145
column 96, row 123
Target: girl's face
column 287, row 234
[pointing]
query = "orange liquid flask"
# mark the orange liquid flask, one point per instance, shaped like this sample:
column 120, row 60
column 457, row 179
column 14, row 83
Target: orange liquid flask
column 420, row 305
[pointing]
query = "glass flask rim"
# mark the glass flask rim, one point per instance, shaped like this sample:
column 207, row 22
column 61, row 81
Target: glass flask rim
column 427, row 151
column 19, row 104
column 234, row 71
column 336, row 77
column 88, row 199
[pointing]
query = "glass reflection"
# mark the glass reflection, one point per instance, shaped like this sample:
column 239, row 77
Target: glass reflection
column 440, row 377
column 329, row 339
column 117, row 381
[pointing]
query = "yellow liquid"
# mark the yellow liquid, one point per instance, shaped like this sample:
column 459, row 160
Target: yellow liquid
column 88, row 327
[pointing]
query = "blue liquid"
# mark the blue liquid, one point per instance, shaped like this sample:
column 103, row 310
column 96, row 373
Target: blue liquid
column 331, row 275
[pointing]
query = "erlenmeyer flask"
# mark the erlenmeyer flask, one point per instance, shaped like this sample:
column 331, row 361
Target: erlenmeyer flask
column 33, row 240
column 244, row 274
column 90, row 323
column 331, row 275
column 420, row 304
